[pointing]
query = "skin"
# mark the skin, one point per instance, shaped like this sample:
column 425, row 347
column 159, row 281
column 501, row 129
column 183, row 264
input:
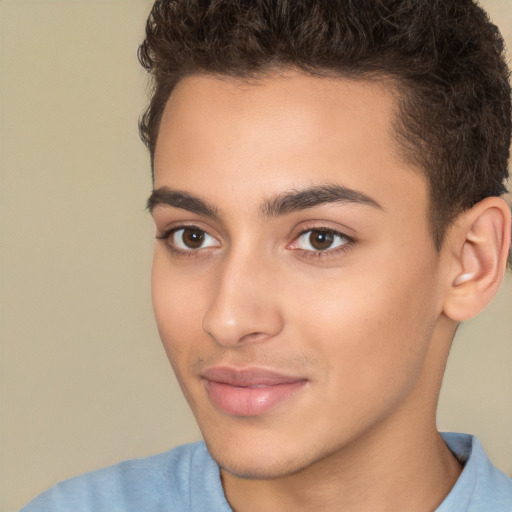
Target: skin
column 363, row 323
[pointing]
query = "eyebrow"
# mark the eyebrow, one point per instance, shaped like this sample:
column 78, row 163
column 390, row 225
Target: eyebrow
column 283, row 204
column 165, row 196
column 310, row 197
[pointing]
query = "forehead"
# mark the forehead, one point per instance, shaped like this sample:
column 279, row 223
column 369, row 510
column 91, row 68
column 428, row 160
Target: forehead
column 284, row 131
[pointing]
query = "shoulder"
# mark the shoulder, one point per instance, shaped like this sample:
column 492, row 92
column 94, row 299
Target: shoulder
column 159, row 482
column 481, row 486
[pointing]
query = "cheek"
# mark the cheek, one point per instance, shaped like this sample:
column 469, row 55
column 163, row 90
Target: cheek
column 178, row 311
column 177, row 308
column 373, row 330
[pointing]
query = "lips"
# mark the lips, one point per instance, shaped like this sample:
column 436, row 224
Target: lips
column 250, row 391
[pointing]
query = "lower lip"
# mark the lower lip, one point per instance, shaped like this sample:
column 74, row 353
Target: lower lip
column 250, row 401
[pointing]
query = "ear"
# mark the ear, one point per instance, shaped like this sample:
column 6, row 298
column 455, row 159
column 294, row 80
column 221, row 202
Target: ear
column 479, row 241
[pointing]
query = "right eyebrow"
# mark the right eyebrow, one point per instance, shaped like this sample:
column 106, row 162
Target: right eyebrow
column 164, row 196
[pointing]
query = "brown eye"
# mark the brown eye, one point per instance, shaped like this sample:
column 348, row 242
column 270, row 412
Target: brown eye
column 192, row 238
column 321, row 240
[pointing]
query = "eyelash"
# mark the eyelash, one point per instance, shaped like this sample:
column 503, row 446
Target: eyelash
column 166, row 235
column 313, row 254
column 336, row 251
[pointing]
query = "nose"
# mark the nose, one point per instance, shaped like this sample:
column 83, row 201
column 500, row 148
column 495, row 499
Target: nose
column 244, row 306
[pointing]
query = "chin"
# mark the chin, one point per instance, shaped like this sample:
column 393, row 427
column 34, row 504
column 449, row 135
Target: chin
column 260, row 470
column 263, row 459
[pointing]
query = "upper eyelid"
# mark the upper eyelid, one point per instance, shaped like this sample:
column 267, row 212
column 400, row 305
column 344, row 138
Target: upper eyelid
column 322, row 227
column 335, row 232
column 323, row 224
column 166, row 233
column 176, row 226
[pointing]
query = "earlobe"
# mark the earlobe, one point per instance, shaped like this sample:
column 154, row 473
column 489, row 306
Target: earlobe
column 480, row 241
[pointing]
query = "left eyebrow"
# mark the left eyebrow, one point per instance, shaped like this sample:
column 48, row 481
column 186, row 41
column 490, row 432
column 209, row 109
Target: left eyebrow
column 310, row 197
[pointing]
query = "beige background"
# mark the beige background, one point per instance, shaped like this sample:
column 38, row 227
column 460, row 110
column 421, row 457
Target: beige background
column 84, row 381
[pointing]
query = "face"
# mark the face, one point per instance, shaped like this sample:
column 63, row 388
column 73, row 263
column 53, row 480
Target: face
column 294, row 276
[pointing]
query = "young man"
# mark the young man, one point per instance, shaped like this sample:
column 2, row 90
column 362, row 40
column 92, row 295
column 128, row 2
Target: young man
column 327, row 181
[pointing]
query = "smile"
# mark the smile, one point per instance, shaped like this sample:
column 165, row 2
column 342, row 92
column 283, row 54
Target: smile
column 249, row 392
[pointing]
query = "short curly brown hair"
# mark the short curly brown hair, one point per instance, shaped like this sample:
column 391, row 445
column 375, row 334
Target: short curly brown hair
column 445, row 58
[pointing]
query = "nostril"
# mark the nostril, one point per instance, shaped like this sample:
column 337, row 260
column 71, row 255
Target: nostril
column 235, row 338
column 253, row 337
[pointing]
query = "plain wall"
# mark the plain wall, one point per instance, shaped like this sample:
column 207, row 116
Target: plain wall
column 84, row 380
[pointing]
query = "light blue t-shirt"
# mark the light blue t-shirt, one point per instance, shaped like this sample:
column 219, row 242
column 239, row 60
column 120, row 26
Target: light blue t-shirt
column 188, row 479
